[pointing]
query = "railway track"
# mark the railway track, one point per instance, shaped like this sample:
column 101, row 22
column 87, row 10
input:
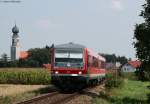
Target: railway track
column 55, row 97
column 51, row 98
column 38, row 98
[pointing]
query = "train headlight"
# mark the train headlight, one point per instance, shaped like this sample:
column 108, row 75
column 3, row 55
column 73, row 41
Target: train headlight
column 80, row 72
column 56, row 72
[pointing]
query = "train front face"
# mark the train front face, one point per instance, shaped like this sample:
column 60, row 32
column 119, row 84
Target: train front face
column 69, row 68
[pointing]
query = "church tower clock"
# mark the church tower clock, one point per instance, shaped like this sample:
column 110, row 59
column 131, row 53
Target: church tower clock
column 15, row 46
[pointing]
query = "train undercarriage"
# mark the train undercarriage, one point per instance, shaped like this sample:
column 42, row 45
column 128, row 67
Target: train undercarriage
column 66, row 83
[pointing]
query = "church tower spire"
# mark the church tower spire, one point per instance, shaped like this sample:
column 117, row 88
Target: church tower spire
column 15, row 46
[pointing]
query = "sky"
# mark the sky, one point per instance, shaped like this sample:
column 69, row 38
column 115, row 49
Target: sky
column 105, row 26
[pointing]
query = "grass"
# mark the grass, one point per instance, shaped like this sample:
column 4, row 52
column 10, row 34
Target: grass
column 21, row 92
column 99, row 101
column 133, row 89
column 133, row 92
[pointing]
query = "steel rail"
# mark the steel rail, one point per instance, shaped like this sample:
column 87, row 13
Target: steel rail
column 35, row 99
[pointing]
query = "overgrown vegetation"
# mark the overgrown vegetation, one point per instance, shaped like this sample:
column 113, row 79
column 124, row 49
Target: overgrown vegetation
column 24, row 76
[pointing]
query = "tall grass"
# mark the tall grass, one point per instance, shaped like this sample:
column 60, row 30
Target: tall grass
column 24, row 76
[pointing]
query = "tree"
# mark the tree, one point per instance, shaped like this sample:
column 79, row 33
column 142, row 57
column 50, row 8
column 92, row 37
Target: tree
column 4, row 57
column 142, row 40
column 3, row 61
column 39, row 56
column 113, row 58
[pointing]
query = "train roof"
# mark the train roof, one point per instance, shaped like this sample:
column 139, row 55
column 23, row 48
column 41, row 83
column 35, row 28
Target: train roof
column 70, row 46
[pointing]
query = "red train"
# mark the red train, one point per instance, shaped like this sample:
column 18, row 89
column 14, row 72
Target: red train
column 75, row 66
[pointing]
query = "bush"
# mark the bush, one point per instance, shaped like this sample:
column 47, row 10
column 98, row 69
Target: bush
column 148, row 95
column 141, row 75
column 113, row 81
column 24, row 76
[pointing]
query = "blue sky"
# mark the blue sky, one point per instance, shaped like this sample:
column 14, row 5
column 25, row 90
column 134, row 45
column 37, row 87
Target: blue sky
column 106, row 26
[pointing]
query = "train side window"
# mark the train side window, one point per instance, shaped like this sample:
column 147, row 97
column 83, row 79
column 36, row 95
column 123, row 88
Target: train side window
column 103, row 65
column 89, row 61
column 99, row 64
column 95, row 62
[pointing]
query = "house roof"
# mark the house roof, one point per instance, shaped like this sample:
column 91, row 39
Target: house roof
column 48, row 66
column 135, row 64
column 23, row 54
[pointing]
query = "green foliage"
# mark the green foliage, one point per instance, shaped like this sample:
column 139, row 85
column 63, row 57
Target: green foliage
column 142, row 41
column 39, row 56
column 148, row 95
column 113, row 81
column 24, row 76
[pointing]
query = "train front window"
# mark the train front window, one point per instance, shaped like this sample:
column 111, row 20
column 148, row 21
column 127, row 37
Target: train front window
column 69, row 59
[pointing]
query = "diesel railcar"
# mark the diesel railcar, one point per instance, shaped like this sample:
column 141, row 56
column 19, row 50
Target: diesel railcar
column 76, row 66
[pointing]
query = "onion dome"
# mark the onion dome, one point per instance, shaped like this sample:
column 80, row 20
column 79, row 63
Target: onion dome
column 15, row 29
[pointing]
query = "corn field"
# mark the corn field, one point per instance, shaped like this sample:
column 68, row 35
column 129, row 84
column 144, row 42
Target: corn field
column 24, row 76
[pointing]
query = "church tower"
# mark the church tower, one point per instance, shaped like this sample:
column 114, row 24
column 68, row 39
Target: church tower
column 15, row 46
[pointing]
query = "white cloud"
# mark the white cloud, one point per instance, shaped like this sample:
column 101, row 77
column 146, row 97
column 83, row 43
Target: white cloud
column 117, row 4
